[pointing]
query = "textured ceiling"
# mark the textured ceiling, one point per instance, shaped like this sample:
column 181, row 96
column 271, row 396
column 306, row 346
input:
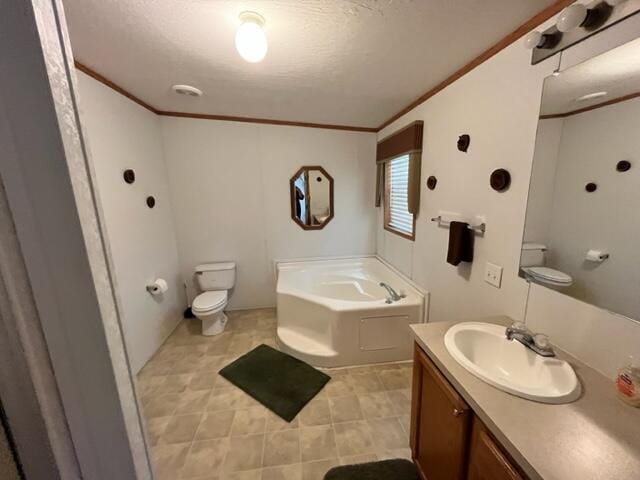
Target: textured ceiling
column 616, row 72
column 350, row 62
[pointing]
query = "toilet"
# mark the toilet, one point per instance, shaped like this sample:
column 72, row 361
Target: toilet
column 532, row 265
column 215, row 280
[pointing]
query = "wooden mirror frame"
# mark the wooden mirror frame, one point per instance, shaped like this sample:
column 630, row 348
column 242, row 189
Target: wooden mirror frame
column 306, row 169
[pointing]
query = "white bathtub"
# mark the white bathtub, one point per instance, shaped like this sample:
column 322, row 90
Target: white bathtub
column 333, row 313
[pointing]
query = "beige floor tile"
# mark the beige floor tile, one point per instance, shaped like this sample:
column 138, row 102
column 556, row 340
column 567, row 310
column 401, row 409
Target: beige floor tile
column 395, row 453
column 396, row 379
column 192, row 402
column 376, row 405
column 181, row 428
column 211, row 364
column 275, row 423
column 317, row 470
column 215, row 425
column 249, row 421
column 229, row 398
column 356, row 459
column 240, row 343
column 175, row 383
column 281, row 448
column 168, row 460
column 317, row 443
column 366, row 382
column 203, row 381
column 155, row 428
column 245, row 453
column 284, row 472
column 405, row 421
column 161, row 406
column 387, row 434
column 345, row 409
column 147, row 385
column 354, row 438
column 339, row 386
column 205, row 458
column 220, row 345
column 188, row 364
column 401, row 401
column 316, row 412
column 248, row 475
column 156, row 368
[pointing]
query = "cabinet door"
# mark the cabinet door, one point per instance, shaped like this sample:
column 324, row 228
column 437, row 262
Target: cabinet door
column 486, row 459
column 440, row 423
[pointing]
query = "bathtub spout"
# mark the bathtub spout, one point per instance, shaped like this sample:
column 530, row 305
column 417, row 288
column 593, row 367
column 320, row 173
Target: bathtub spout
column 393, row 295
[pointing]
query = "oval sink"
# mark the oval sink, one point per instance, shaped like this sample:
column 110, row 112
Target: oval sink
column 483, row 350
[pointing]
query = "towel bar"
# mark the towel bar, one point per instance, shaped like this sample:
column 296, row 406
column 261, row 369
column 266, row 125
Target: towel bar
column 480, row 229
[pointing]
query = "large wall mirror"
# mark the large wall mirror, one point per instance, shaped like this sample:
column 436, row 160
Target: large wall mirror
column 582, row 230
column 311, row 197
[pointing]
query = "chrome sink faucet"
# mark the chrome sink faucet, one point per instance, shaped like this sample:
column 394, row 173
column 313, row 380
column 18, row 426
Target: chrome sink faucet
column 537, row 342
column 393, row 295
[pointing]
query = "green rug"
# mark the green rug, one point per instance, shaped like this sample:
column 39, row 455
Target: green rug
column 280, row 382
column 385, row 470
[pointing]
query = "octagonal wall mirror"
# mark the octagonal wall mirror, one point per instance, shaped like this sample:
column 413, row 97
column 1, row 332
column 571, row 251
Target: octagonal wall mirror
column 311, row 197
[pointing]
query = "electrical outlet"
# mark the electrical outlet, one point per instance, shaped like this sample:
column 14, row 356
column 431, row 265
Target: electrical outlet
column 493, row 274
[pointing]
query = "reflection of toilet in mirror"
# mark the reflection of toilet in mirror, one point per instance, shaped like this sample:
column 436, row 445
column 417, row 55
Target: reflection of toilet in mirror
column 532, row 265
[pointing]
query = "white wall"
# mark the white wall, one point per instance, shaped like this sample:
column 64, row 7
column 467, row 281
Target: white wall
column 121, row 135
column 592, row 144
column 498, row 105
column 230, row 191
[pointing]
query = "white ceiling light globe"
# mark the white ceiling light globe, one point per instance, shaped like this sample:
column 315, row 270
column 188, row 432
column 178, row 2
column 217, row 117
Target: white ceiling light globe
column 532, row 40
column 571, row 17
column 251, row 42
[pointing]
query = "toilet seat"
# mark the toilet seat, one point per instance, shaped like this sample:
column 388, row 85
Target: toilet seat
column 549, row 276
column 208, row 302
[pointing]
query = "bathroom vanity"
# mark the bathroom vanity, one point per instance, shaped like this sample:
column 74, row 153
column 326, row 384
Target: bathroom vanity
column 464, row 428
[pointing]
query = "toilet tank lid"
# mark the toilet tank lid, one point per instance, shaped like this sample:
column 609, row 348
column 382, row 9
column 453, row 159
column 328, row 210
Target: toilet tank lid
column 533, row 246
column 215, row 267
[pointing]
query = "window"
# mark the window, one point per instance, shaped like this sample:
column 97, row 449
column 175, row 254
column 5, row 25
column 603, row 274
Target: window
column 397, row 218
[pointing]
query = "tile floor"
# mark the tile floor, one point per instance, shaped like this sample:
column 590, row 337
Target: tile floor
column 202, row 427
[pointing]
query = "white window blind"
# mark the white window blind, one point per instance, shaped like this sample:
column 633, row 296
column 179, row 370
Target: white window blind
column 399, row 217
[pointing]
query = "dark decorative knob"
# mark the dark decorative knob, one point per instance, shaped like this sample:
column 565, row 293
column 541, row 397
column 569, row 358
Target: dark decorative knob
column 432, row 182
column 463, row 142
column 623, row 166
column 591, row 187
column 500, row 180
column 129, row 176
column 151, row 202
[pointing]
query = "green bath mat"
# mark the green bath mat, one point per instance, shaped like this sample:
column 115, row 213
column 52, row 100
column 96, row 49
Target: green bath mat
column 280, row 382
column 399, row 469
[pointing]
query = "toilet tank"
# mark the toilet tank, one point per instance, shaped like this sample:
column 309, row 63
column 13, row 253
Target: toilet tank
column 532, row 254
column 216, row 276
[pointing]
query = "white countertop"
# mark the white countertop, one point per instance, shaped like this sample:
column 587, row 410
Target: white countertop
column 595, row 437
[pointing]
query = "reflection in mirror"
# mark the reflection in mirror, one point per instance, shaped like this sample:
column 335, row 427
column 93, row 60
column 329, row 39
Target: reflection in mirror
column 311, row 197
column 583, row 222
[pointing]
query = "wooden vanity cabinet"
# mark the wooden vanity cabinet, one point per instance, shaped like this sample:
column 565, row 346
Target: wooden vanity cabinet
column 440, row 423
column 448, row 442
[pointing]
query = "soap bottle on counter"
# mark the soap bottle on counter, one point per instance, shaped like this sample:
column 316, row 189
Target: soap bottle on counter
column 628, row 382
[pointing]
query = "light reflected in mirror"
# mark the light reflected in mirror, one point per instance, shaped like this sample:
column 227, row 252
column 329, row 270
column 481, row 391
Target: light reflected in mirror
column 311, row 197
column 583, row 222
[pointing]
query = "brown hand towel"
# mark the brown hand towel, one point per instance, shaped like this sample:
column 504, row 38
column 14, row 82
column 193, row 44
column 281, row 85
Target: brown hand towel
column 460, row 243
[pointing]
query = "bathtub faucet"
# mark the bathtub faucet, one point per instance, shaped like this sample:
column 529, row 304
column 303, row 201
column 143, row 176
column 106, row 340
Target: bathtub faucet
column 393, row 295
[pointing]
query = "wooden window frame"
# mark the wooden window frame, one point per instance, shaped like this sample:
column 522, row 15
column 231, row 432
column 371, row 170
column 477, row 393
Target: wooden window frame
column 387, row 212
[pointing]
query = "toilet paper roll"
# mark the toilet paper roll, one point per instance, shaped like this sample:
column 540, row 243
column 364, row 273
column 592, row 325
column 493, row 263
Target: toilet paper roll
column 157, row 287
column 596, row 256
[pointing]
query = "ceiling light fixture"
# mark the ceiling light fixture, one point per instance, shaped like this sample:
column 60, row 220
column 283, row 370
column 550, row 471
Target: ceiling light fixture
column 579, row 15
column 187, row 90
column 590, row 96
column 251, row 42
